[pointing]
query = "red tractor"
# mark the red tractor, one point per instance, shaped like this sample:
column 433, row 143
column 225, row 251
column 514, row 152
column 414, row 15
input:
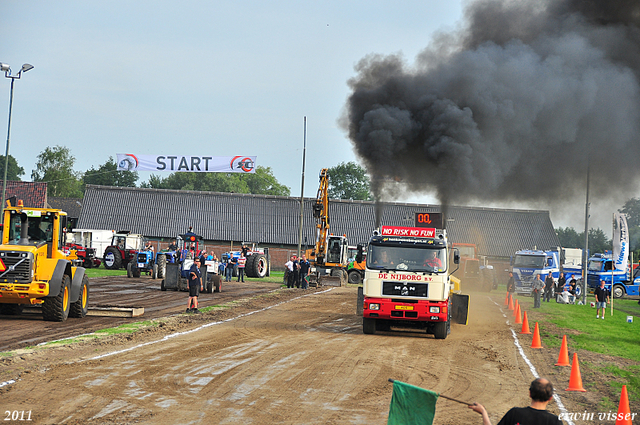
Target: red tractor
column 123, row 249
column 85, row 255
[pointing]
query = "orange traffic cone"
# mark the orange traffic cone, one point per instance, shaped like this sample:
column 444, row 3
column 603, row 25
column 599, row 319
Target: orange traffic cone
column 575, row 381
column 563, row 358
column 515, row 308
column 511, row 303
column 624, row 414
column 518, row 315
column 506, row 299
column 536, row 343
column 525, row 325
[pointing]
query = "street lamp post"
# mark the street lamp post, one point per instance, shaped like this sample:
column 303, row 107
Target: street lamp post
column 7, row 73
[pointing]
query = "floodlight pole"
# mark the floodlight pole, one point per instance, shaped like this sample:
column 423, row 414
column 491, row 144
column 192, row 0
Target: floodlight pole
column 7, row 73
column 304, row 154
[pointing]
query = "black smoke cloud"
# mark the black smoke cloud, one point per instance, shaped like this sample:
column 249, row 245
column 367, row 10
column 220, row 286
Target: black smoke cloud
column 509, row 108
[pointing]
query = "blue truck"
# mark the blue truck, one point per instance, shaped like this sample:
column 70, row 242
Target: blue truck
column 528, row 263
column 600, row 268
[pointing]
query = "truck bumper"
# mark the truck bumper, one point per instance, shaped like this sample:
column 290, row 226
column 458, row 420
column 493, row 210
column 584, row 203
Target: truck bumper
column 23, row 293
column 394, row 309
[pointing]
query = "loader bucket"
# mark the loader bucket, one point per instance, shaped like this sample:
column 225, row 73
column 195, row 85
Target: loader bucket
column 460, row 307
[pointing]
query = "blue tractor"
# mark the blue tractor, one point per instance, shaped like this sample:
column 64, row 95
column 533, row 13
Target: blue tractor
column 143, row 262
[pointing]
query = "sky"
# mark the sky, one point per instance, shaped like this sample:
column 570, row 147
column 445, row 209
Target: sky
column 216, row 78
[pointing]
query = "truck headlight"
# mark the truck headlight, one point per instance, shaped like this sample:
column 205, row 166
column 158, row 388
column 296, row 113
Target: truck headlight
column 374, row 306
column 434, row 309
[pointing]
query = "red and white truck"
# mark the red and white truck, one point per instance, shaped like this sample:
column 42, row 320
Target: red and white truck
column 408, row 282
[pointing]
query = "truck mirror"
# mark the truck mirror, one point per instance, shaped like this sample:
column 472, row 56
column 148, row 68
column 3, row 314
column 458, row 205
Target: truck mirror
column 456, row 257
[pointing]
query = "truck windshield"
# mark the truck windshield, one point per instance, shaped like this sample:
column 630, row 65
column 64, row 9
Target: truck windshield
column 40, row 229
column 432, row 260
column 535, row 261
column 595, row 265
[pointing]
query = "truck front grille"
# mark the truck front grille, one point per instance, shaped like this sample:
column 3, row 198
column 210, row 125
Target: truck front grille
column 17, row 266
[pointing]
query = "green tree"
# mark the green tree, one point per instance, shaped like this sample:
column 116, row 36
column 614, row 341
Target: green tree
column 108, row 175
column 55, row 167
column 349, row 180
column 598, row 241
column 14, row 171
column 261, row 182
column 569, row 238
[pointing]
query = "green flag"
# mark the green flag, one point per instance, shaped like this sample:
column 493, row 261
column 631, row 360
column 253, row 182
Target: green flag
column 411, row 405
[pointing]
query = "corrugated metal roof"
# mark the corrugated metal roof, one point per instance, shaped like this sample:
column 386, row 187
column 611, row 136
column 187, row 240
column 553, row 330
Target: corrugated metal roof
column 266, row 219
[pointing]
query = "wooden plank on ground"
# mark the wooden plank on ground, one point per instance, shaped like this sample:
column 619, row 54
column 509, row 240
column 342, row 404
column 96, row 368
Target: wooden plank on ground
column 116, row 311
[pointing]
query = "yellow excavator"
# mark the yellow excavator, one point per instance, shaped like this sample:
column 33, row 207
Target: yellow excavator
column 329, row 256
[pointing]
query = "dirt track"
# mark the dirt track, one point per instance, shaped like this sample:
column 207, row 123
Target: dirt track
column 29, row 329
column 278, row 358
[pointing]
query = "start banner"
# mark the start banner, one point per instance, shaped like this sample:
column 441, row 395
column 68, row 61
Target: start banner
column 182, row 163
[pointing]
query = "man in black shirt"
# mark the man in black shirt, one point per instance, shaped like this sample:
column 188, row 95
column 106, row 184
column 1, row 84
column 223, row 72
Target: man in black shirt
column 602, row 296
column 541, row 393
column 548, row 287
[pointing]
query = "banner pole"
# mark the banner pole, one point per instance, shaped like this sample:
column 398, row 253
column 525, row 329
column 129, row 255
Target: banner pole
column 612, row 261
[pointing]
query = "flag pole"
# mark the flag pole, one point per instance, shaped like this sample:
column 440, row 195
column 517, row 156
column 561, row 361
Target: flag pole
column 444, row 396
column 612, row 261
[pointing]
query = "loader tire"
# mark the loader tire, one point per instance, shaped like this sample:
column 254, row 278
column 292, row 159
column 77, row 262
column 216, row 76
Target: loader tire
column 56, row 309
column 81, row 307
column 112, row 259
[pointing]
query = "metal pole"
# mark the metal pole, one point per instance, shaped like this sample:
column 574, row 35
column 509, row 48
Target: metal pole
column 6, row 154
column 304, row 154
column 586, row 242
column 613, row 233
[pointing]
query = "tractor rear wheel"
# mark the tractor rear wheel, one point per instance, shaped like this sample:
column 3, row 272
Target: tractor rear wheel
column 162, row 266
column 112, row 259
column 56, row 309
column 257, row 265
column 81, row 307
column 162, row 287
column 154, row 271
column 129, row 271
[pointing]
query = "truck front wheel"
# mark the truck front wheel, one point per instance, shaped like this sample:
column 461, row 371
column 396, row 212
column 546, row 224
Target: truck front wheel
column 440, row 330
column 368, row 326
column 56, row 309
column 618, row 291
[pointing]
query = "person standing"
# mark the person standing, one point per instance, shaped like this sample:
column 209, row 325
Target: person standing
column 541, row 393
column 548, row 287
column 305, row 265
column 296, row 272
column 242, row 262
column 228, row 271
column 289, row 272
column 195, row 286
column 602, row 296
column 511, row 285
column 537, row 288
column 560, row 285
